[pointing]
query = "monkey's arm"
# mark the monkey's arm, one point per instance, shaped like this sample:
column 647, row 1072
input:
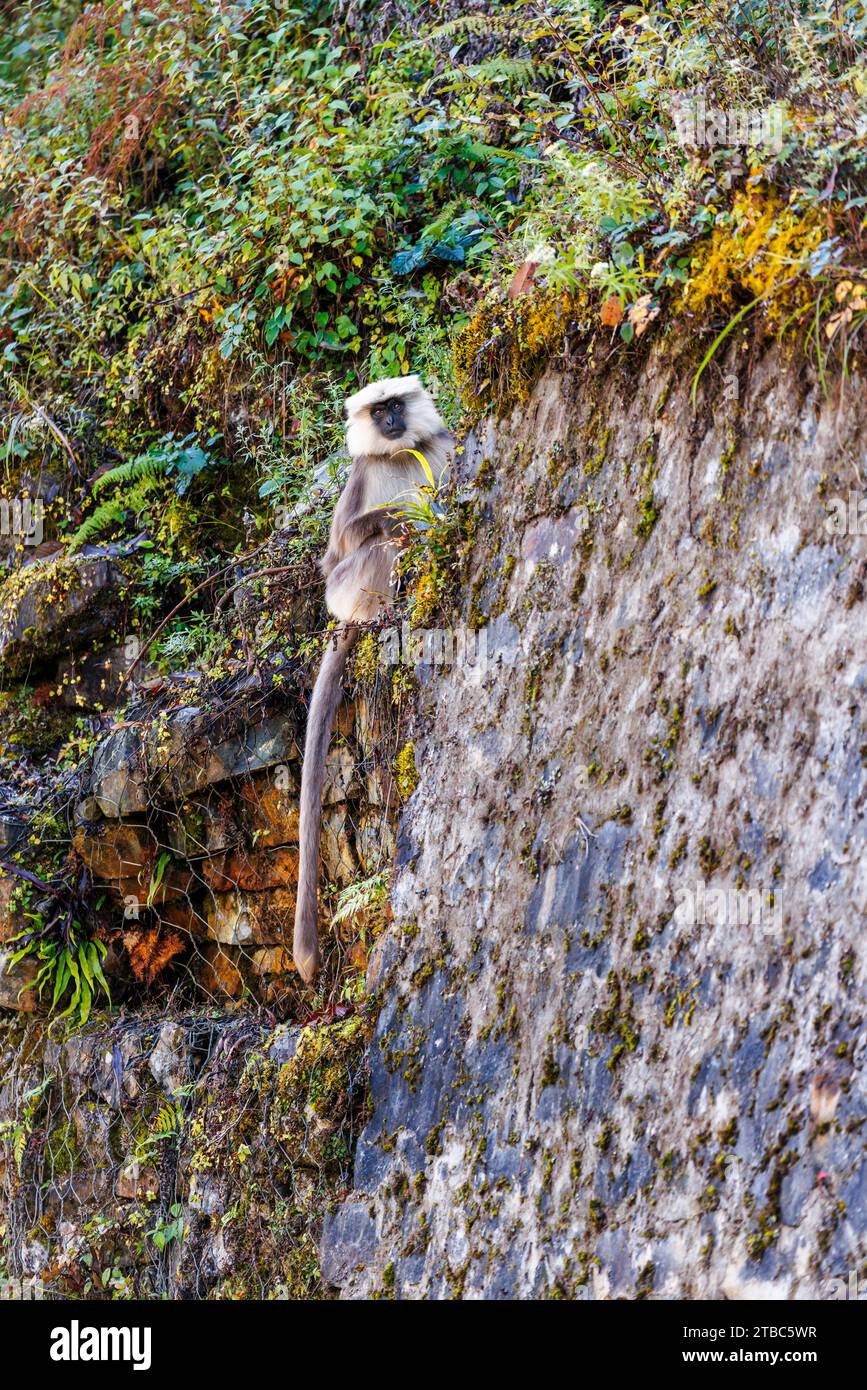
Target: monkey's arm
column 356, row 533
column 350, row 505
column 378, row 522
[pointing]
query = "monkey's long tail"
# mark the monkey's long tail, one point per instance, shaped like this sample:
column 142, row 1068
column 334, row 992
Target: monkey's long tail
column 320, row 718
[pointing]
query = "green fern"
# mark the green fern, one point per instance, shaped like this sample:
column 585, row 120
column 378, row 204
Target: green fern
column 515, row 72
column 107, row 516
column 165, row 1127
column 167, row 1123
column 179, row 459
column 115, row 510
column 482, row 25
column 145, row 466
column 19, row 1144
column 138, row 496
column 366, row 895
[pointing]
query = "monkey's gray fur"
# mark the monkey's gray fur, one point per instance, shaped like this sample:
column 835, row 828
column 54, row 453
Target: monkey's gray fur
column 383, row 422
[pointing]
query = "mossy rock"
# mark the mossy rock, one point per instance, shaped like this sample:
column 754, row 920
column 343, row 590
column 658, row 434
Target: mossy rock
column 57, row 605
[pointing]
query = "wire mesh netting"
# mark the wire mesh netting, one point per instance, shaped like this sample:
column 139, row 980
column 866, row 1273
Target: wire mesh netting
column 187, row 1142
column 182, row 1157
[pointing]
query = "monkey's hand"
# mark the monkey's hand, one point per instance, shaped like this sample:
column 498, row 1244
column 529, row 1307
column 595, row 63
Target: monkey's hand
column 367, row 527
column 396, row 526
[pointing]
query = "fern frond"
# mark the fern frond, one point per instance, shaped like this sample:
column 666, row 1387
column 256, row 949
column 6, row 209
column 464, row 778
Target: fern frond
column 367, row 895
column 167, row 1121
column 106, row 516
column 115, row 510
column 145, row 466
column 19, row 1144
column 482, row 25
column 517, row 72
column 137, row 497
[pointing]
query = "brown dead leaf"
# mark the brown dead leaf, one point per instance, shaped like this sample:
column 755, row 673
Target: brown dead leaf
column 835, row 321
column 151, row 950
column 612, row 311
column 523, row 279
column 642, row 312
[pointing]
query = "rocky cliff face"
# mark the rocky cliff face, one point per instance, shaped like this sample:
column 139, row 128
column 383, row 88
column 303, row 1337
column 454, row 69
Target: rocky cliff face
column 175, row 1155
column 619, row 1045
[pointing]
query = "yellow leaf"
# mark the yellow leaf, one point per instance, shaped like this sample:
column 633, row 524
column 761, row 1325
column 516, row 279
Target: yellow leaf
column 428, row 472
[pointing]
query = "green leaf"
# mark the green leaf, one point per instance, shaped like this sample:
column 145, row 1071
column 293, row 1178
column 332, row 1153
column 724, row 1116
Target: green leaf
column 61, row 980
column 161, row 865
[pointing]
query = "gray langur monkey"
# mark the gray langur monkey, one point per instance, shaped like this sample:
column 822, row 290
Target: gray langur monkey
column 384, row 421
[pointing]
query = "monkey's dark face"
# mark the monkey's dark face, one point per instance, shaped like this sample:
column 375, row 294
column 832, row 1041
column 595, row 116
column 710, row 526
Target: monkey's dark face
column 390, row 417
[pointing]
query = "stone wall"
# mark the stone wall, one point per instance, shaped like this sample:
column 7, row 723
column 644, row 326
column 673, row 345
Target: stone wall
column 594, row 1075
column 187, row 825
column 181, row 1156
column 619, row 1047
column 184, row 1144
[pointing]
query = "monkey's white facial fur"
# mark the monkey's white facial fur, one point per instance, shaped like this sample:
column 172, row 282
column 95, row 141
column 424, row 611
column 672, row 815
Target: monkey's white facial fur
column 389, row 416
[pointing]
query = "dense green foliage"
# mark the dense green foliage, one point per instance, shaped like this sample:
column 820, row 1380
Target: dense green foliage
column 216, row 216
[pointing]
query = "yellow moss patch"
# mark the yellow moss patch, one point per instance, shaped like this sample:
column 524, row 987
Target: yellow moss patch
column 761, row 251
column 501, row 351
column 426, row 594
column 29, row 724
column 321, row 1091
column 51, row 582
column 365, row 659
column 406, row 771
